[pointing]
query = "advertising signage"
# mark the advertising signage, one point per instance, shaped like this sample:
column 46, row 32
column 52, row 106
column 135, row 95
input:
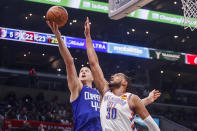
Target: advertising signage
column 128, row 50
column 191, row 59
column 167, row 55
column 72, row 42
column 102, row 7
column 100, row 46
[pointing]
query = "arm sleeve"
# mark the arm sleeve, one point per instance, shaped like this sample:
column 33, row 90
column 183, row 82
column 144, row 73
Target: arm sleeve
column 152, row 126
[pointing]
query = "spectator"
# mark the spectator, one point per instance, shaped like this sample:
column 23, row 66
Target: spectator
column 62, row 112
column 23, row 114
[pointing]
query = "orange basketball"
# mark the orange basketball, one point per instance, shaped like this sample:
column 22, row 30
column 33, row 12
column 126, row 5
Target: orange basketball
column 58, row 15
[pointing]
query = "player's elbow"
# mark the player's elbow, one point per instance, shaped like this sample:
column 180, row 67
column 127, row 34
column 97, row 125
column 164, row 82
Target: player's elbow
column 69, row 61
column 93, row 62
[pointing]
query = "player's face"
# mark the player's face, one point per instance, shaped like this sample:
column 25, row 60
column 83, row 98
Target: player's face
column 116, row 80
column 85, row 74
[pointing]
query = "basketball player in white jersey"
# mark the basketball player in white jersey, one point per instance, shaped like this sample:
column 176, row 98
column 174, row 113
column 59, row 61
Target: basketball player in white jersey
column 118, row 107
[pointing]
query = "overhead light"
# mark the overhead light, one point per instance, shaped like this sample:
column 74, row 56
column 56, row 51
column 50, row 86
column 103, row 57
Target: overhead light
column 59, row 69
column 26, row 18
column 176, row 36
column 70, row 23
column 82, row 65
column 128, row 33
column 29, row 52
column 87, row 63
column 44, row 16
column 162, row 72
column 25, row 55
column 187, row 37
column 179, row 74
column 133, row 30
column 175, row 2
column 74, row 21
column 43, row 54
column 30, row 14
column 76, row 58
column 90, row 23
column 147, row 32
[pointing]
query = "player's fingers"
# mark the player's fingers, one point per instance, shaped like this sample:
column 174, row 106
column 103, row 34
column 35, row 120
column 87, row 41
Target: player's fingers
column 87, row 19
column 48, row 23
column 155, row 97
column 156, row 90
column 56, row 27
column 157, row 93
column 53, row 25
column 152, row 91
column 88, row 22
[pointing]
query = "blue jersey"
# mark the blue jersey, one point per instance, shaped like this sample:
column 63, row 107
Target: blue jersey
column 86, row 110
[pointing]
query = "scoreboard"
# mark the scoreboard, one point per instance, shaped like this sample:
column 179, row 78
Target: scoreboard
column 28, row 36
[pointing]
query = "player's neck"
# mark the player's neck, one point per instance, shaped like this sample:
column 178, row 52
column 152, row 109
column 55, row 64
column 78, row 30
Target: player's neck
column 118, row 91
column 87, row 83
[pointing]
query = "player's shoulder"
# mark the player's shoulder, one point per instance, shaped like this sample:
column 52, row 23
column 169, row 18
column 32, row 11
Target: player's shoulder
column 133, row 100
column 134, row 97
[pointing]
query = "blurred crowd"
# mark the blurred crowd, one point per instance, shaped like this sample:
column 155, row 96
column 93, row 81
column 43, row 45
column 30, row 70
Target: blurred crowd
column 40, row 109
column 37, row 109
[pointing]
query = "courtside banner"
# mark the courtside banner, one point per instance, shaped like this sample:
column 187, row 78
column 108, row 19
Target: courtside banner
column 102, row 7
column 17, row 124
column 128, row 50
column 167, row 55
column 191, row 59
column 73, row 42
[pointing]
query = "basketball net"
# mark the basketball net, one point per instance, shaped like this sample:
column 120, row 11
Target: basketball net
column 190, row 14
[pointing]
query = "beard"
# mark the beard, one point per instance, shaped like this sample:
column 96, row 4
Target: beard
column 114, row 85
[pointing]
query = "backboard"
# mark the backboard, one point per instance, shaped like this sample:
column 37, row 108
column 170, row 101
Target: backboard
column 121, row 8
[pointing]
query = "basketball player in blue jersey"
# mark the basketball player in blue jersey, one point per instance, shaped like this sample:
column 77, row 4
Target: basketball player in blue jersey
column 84, row 99
column 118, row 107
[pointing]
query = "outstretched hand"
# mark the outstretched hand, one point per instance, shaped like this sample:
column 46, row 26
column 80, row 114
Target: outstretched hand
column 54, row 27
column 154, row 95
column 87, row 27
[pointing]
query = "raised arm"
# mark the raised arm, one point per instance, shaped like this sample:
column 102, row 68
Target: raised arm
column 140, row 110
column 74, row 84
column 99, row 80
column 153, row 95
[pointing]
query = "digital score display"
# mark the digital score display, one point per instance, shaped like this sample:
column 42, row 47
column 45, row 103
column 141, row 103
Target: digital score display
column 29, row 36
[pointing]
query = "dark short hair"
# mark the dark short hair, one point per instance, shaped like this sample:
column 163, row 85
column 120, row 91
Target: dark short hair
column 128, row 79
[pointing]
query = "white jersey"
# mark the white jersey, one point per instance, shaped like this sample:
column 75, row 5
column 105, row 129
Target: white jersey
column 116, row 113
